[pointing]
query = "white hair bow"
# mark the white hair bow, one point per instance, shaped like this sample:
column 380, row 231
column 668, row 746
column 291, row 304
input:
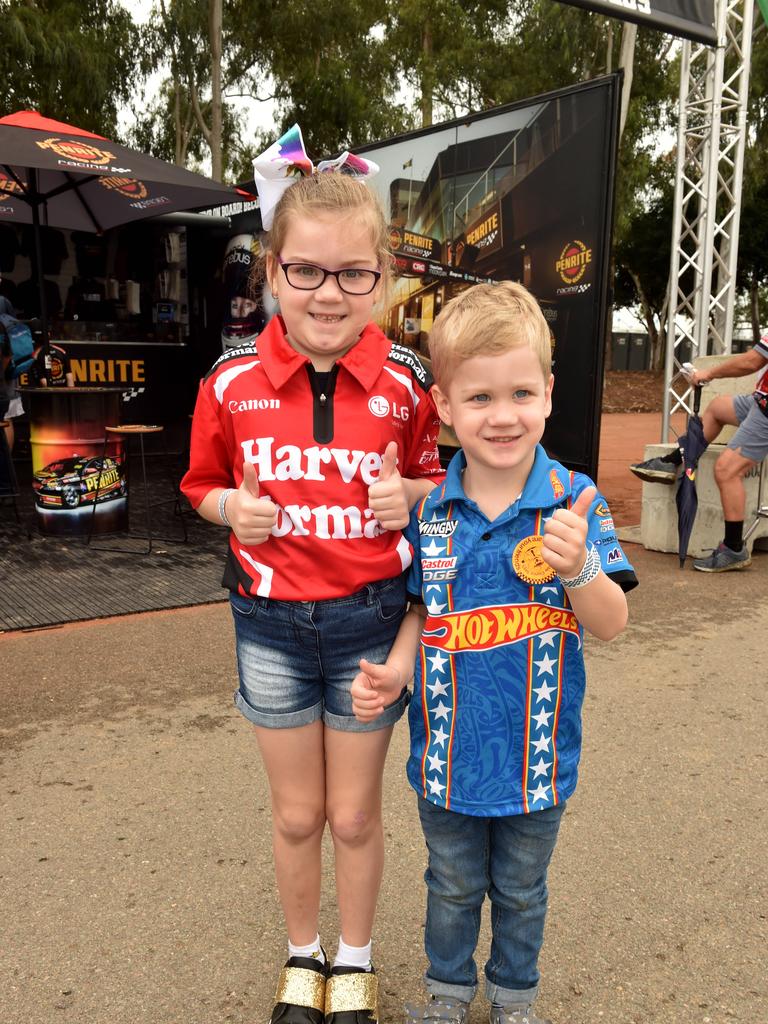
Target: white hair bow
column 278, row 167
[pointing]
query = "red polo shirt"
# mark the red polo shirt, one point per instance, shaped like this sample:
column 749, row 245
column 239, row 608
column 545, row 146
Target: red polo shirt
column 317, row 442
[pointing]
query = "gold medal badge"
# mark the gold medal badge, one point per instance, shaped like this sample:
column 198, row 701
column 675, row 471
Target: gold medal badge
column 528, row 563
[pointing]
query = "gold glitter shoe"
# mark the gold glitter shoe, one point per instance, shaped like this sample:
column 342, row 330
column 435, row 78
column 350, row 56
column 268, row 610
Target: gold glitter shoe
column 350, row 996
column 300, row 996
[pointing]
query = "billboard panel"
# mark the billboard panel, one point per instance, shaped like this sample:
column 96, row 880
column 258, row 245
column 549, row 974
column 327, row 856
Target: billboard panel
column 521, row 193
column 691, row 19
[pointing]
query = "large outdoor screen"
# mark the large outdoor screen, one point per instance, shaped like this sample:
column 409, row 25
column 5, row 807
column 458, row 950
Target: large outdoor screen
column 523, row 193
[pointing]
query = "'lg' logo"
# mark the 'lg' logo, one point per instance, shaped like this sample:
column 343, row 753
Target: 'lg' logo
column 378, row 405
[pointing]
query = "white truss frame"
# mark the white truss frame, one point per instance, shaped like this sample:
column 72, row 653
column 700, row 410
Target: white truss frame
column 711, row 139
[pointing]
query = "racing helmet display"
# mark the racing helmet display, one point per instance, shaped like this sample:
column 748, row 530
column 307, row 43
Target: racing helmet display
column 246, row 310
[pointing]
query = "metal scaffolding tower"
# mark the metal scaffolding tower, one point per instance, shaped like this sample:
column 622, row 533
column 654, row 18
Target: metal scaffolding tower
column 711, row 139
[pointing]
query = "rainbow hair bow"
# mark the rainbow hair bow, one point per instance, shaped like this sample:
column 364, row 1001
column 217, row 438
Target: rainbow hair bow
column 278, row 167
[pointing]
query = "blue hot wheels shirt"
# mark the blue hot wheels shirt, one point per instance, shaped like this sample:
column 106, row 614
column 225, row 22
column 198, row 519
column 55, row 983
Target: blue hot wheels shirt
column 496, row 714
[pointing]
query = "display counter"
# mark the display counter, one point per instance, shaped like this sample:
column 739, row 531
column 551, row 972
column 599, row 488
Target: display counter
column 66, row 433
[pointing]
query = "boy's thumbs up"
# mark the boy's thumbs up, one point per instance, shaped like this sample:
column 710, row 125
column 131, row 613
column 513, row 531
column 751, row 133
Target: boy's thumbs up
column 250, row 479
column 389, row 461
column 582, row 504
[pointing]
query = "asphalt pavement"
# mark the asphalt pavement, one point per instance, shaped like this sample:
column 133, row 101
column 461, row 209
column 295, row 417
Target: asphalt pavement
column 135, row 859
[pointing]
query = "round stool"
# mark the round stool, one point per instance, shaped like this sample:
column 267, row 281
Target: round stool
column 140, row 431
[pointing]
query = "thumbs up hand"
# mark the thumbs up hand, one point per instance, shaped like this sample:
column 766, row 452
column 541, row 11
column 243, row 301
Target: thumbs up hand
column 251, row 516
column 373, row 688
column 387, row 497
column 565, row 536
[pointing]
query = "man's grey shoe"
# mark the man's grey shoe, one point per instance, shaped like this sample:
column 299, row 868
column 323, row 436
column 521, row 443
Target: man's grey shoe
column 723, row 559
column 656, row 471
column 515, row 1015
column 439, row 1010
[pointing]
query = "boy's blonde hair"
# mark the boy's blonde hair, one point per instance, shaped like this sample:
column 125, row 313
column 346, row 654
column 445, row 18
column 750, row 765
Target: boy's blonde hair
column 331, row 193
column 488, row 320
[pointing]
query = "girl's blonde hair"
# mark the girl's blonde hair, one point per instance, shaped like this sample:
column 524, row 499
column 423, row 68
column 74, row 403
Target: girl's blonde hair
column 342, row 195
column 488, row 320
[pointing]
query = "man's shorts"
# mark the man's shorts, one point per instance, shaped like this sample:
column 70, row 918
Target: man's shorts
column 297, row 659
column 752, row 433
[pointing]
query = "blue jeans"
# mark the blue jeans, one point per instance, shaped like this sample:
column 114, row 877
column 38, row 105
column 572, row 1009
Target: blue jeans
column 297, row 659
column 507, row 859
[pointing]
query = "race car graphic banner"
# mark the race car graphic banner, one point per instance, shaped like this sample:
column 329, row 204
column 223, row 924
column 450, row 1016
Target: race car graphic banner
column 524, row 193
column 79, row 486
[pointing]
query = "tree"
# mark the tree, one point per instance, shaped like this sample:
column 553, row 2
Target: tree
column 72, row 61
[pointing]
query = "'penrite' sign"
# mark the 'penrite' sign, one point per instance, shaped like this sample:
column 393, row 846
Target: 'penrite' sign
column 692, row 19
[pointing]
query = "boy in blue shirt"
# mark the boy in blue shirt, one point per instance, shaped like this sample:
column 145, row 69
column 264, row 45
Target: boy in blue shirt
column 514, row 557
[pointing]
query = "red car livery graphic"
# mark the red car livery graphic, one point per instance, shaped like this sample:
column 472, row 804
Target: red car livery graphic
column 70, row 483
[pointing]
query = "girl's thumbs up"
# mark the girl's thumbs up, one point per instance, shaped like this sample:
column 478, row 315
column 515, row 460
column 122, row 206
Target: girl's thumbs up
column 250, row 479
column 389, row 462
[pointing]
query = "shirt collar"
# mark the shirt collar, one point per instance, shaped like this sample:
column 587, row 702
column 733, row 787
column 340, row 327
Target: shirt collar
column 548, row 482
column 280, row 360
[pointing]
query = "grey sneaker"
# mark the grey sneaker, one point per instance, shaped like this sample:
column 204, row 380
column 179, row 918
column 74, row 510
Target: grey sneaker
column 656, row 471
column 515, row 1015
column 439, row 1010
column 723, row 559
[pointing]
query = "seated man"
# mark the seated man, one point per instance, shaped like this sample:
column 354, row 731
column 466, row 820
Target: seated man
column 747, row 448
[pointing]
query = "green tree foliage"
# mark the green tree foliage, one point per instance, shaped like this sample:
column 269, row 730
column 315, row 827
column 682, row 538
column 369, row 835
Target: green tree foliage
column 334, row 71
column 72, row 61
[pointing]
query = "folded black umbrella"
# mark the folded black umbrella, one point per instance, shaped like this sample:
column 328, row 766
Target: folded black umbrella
column 692, row 444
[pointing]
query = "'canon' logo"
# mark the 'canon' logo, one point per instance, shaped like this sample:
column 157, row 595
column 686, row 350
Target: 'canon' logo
column 254, row 403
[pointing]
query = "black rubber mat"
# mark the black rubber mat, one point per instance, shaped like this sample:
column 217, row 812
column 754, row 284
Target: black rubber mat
column 46, row 580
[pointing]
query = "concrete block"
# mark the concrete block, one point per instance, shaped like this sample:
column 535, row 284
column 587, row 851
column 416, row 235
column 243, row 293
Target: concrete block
column 658, row 515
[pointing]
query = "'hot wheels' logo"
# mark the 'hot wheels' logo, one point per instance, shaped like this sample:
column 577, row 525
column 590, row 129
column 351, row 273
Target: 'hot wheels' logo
column 495, row 626
column 8, row 186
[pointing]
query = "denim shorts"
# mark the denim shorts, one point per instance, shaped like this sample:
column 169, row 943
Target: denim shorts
column 297, row 659
column 752, row 433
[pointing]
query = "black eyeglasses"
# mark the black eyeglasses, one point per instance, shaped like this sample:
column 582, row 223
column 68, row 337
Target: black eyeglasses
column 308, row 278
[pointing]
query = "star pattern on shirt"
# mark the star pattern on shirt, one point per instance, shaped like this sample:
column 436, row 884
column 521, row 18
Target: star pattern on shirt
column 438, row 689
column 435, row 762
column 542, row 719
column 545, row 665
column 435, row 787
column 440, row 736
column 433, row 549
column 434, row 608
column 438, row 661
column 441, row 711
column 544, row 692
column 541, row 768
column 541, row 745
column 539, row 793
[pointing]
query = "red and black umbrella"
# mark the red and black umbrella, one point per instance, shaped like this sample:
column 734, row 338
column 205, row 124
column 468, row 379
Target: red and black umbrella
column 61, row 176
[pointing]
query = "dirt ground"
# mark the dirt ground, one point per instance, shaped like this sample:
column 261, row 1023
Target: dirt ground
column 635, row 391
column 135, row 852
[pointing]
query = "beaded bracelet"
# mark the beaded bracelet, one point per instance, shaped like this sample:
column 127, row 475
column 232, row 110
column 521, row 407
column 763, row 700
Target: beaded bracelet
column 590, row 570
column 222, row 505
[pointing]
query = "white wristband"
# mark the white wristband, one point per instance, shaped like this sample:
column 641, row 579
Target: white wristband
column 590, row 570
column 222, row 504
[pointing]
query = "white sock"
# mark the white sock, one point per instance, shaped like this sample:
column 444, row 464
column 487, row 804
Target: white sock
column 353, row 956
column 313, row 949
